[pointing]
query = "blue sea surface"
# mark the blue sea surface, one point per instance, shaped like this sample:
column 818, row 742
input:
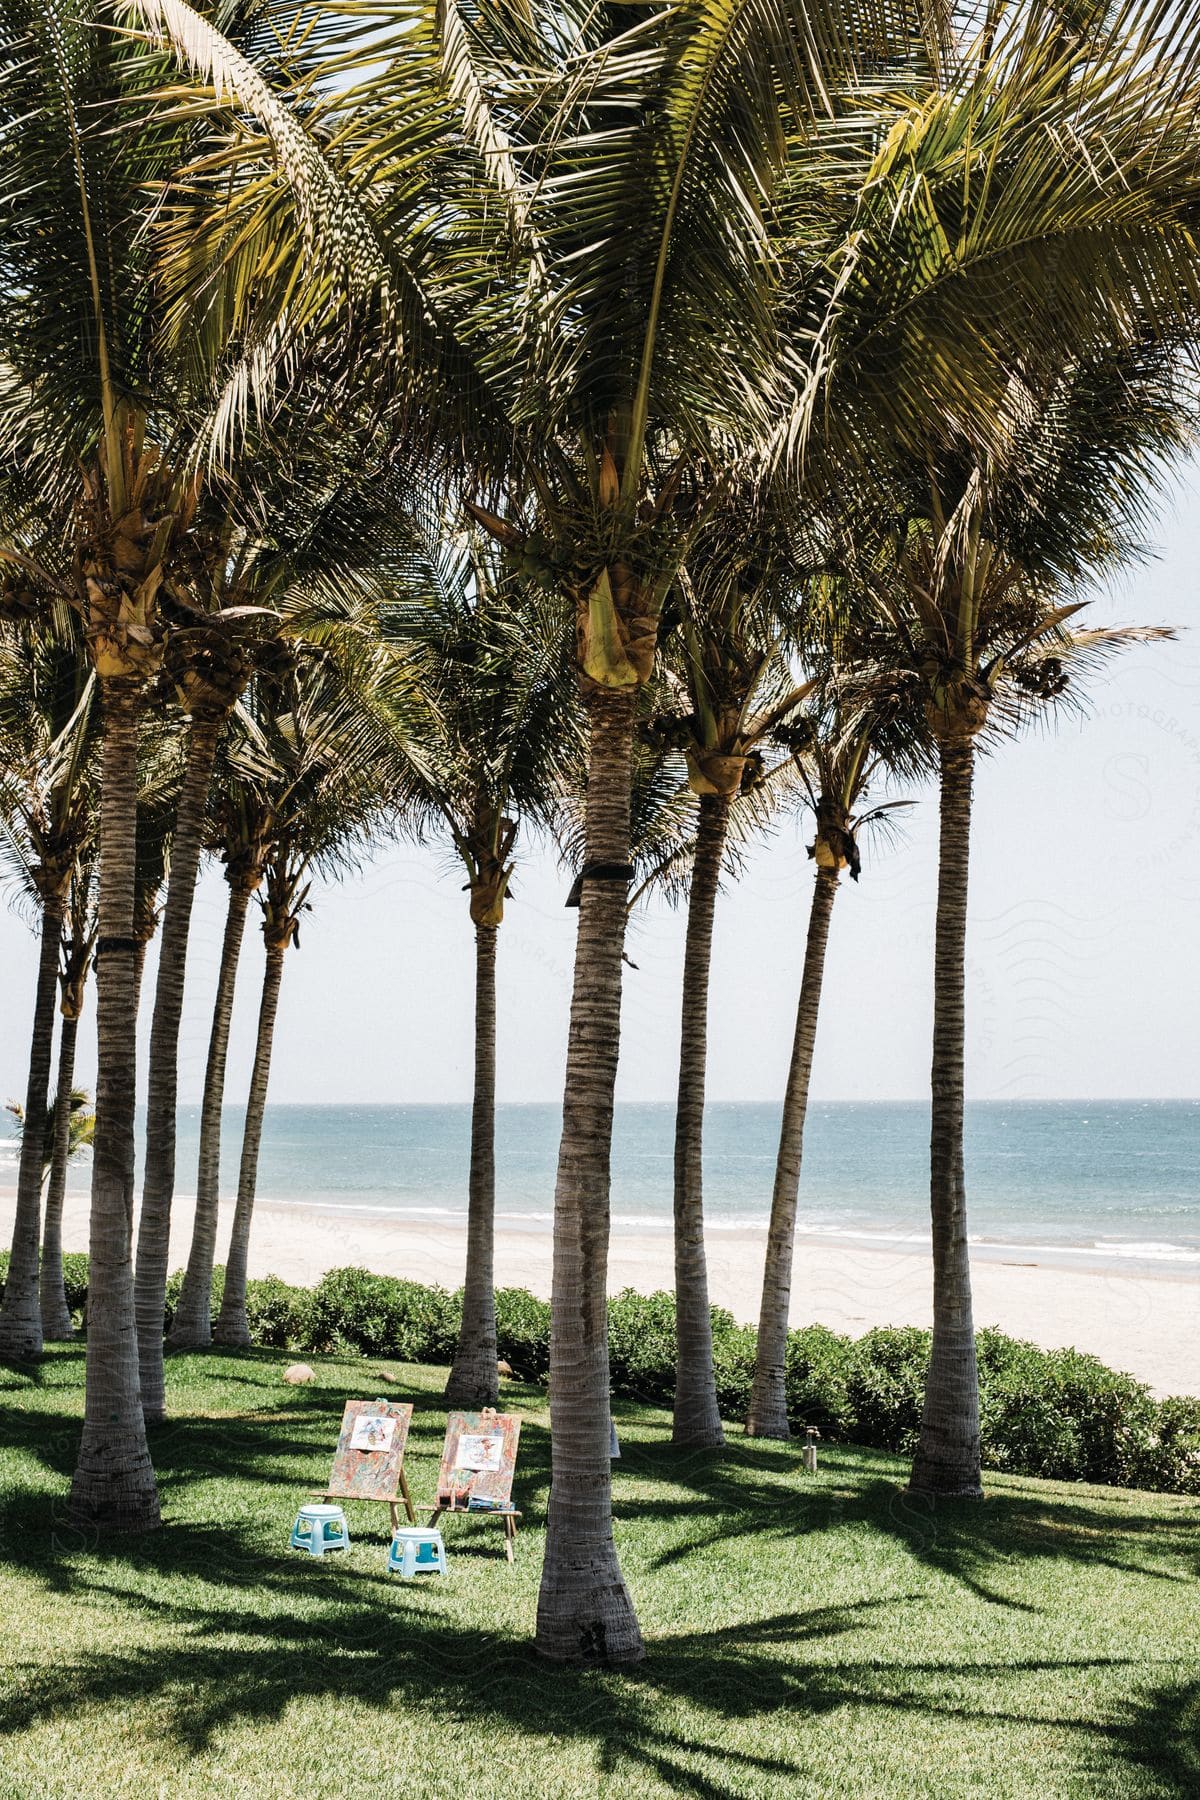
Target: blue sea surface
column 1112, row 1179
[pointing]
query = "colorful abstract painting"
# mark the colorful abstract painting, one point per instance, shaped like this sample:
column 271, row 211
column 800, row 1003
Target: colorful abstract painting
column 478, row 1461
column 370, row 1450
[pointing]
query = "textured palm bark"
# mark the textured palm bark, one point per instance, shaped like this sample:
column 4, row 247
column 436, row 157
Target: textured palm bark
column 191, row 1328
column 947, row 1456
column 585, row 1613
column 767, row 1414
column 21, row 1311
column 697, row 1419
column 473, row 1378
column 139, row 970
column 144, row 928
column 114, row 1487
column 158, row 1185
column 57, row 1325
column 232, row 1326
column 474, row 1372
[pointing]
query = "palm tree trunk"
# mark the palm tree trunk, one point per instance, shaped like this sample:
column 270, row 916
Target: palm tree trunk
column 114, row 1487
column 232, row 1326
column 20, row 1312
column 191, row 1328
column 767, row 1416
column 473, row 1378
column 947, row 1457
column 158, row 1184
column 56, row 1314
column 697, row 1420
column 139, row 969
column 585, row 1613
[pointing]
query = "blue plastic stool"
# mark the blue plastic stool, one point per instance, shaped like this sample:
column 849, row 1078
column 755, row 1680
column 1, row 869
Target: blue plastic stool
column 415, row 1550
column 320, row 1528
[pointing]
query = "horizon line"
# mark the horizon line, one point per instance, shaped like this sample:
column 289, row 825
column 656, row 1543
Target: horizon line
column 776, row 1100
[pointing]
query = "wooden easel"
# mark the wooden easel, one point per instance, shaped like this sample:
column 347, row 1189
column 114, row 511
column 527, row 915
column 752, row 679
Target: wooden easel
column 392, row 1505
column 373, row 1475
column 509, row 1514
column 458, row 1484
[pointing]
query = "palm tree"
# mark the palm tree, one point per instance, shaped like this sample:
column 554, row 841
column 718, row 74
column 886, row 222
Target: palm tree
column 979, row 634
column 837, row 768
column 160, row 761
column 47, row 735
column 69, row 1127
column 72, row 1126
column 740, row 694
column 81, row 1120
column 241, row 831
column 486, row 734
column 488, row 749
column 285, row 899
column 310, row 752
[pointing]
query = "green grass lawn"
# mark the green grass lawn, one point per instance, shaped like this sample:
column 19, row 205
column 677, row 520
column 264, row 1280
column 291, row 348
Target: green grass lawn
column 817, row 1635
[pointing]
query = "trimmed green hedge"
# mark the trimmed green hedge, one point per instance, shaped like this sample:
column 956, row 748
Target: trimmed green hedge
column 75, row 1279
column 1056, row 1413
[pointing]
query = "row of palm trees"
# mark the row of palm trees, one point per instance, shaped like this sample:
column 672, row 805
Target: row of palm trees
column 780, row 374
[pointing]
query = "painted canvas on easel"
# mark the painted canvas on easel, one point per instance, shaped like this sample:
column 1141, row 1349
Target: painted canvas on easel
column 370, row 1450
column 372, row 1431
column 478, row 1461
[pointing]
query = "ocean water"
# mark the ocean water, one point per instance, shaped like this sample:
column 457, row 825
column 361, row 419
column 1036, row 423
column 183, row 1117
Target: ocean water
column 1106, row 1181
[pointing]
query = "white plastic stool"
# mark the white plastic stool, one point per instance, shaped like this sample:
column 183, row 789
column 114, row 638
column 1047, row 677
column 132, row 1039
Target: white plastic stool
column 415, row 1550
column 320, row 1528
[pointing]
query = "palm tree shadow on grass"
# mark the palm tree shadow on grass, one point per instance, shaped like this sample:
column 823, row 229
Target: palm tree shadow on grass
column 286, row 1449
column 287, row 1439
column 397, row 1652
column 18, row 1373
column 386, row 1654
column 961, row 1539
column 360, row 1635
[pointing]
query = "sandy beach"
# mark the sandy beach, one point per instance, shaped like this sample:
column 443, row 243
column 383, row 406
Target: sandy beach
column 1146, row 1323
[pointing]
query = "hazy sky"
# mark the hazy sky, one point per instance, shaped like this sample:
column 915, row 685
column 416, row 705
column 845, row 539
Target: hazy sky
column 1084, row 975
